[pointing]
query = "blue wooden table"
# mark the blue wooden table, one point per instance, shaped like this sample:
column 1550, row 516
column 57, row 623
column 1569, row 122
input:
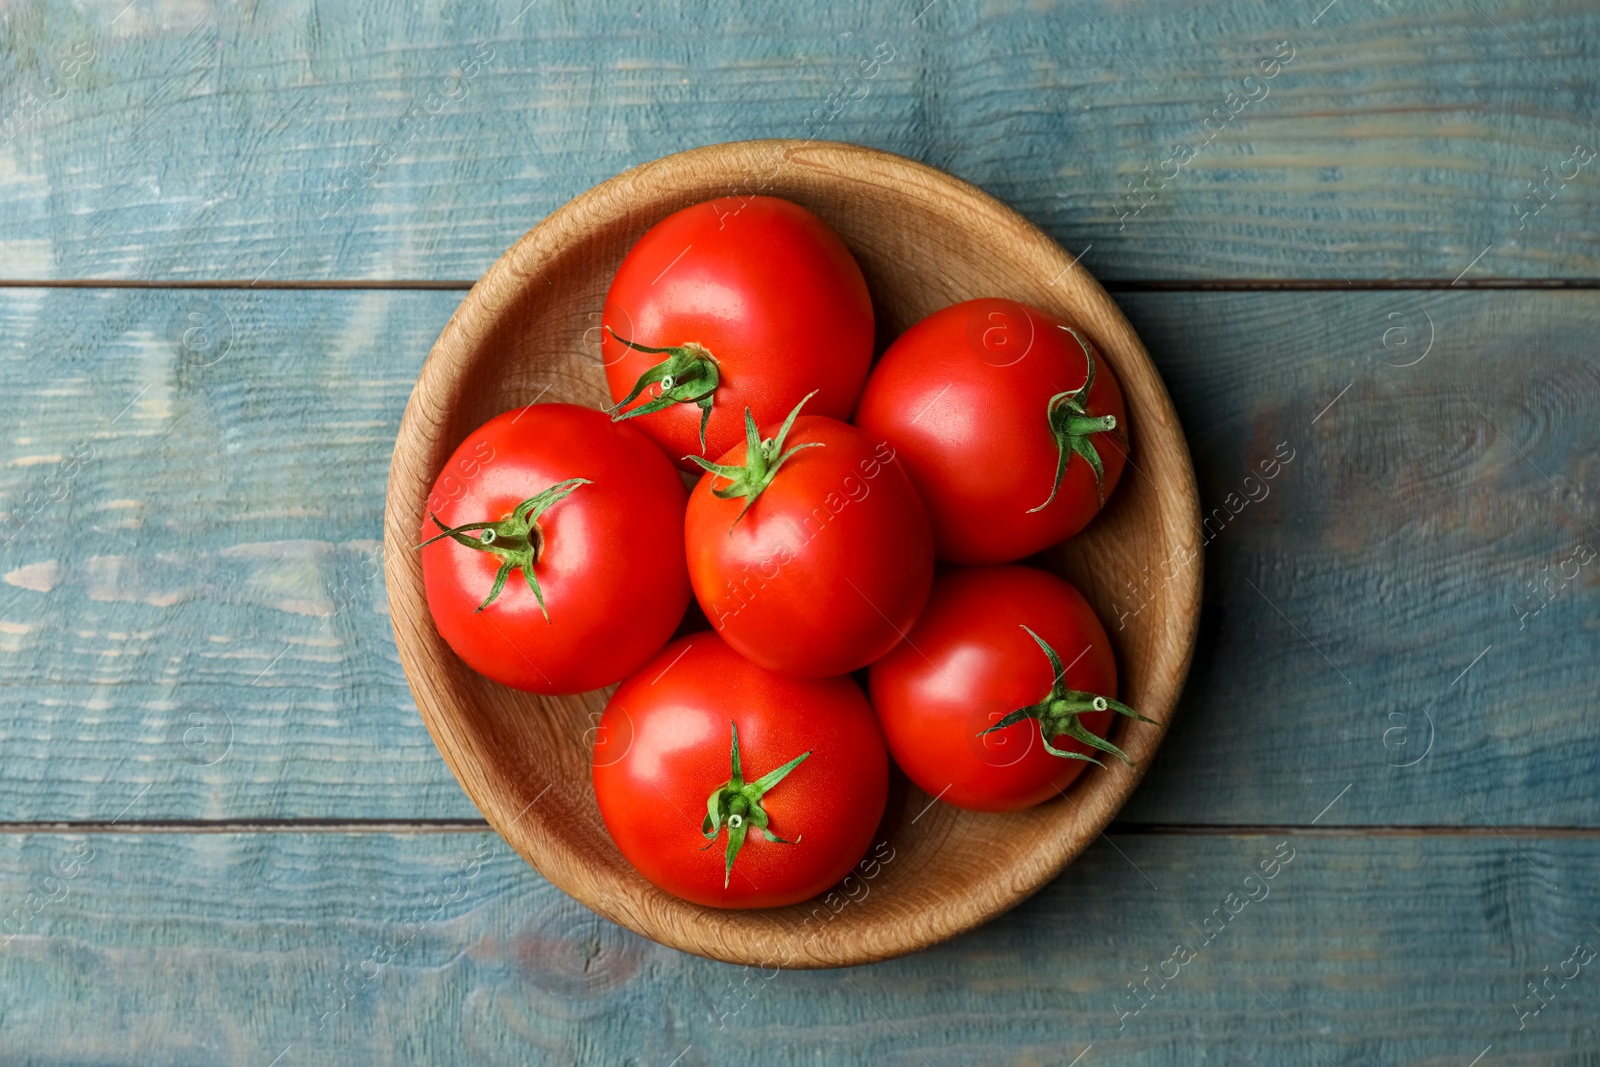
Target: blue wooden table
column 1367, row 231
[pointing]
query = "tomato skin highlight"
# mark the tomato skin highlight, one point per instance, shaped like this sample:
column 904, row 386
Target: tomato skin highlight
column 611, row 567
column 662, row 748
column 828, row 568
column 769, row 289
column 967, row 663
column 963, row 396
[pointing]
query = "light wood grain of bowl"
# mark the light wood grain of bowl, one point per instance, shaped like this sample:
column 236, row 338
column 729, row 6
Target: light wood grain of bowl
column 529, row 331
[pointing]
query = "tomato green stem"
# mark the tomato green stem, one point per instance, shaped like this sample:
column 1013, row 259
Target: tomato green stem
column 761, row 462
column 1058, row 713
column 736, row 804
column 1071, row 424
column 515, row 539
column 689, row 375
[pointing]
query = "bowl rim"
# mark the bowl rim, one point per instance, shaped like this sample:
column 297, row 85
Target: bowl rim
column 1101, row 791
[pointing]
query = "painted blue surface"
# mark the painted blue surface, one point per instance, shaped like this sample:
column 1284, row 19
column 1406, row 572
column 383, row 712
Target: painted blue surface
column 198, row 622
column 352, row 949
column 333, row 140
column 219, row 836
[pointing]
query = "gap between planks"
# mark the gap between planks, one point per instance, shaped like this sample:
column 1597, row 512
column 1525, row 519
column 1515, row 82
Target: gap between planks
column 1128, row 285
column 475, row 826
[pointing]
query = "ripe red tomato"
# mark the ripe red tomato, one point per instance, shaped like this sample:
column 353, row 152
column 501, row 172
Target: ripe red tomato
column 976, row 697
column 742, row 302
column 735, row 787
column 598, row 512
column 1001, row 413
column 809, row 551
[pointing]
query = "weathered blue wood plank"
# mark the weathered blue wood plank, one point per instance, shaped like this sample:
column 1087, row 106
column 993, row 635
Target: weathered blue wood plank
column 293, row 140
column 373, row 948
column 213, row 557
column 194, row 613
column 1391, row 614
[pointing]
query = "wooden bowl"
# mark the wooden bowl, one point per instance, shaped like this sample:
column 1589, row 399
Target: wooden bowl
column 529, row 330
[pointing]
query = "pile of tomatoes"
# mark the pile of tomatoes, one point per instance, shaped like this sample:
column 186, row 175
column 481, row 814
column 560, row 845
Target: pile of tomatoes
column 851, row 524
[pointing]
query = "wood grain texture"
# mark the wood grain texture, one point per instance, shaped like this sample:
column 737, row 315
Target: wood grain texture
column 193, row 613
column 924, row 240
column 446, row 949
column 1400, row 540
column 1379, row 610
column 293, row 140
column 1369, row 610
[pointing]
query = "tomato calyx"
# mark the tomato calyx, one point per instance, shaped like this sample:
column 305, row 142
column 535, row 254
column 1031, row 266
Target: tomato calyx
column 1058, row 713
column 1071, row 425
column 736, row 804
column 761, row 462
column 689, row 375
column 515, row 539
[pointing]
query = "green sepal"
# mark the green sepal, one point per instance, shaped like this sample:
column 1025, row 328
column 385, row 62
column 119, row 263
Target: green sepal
column 515, row 539
column 736, row 804
column 761, row 462
column 689, row 375
column 1058, row 713
column 1071, row 425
